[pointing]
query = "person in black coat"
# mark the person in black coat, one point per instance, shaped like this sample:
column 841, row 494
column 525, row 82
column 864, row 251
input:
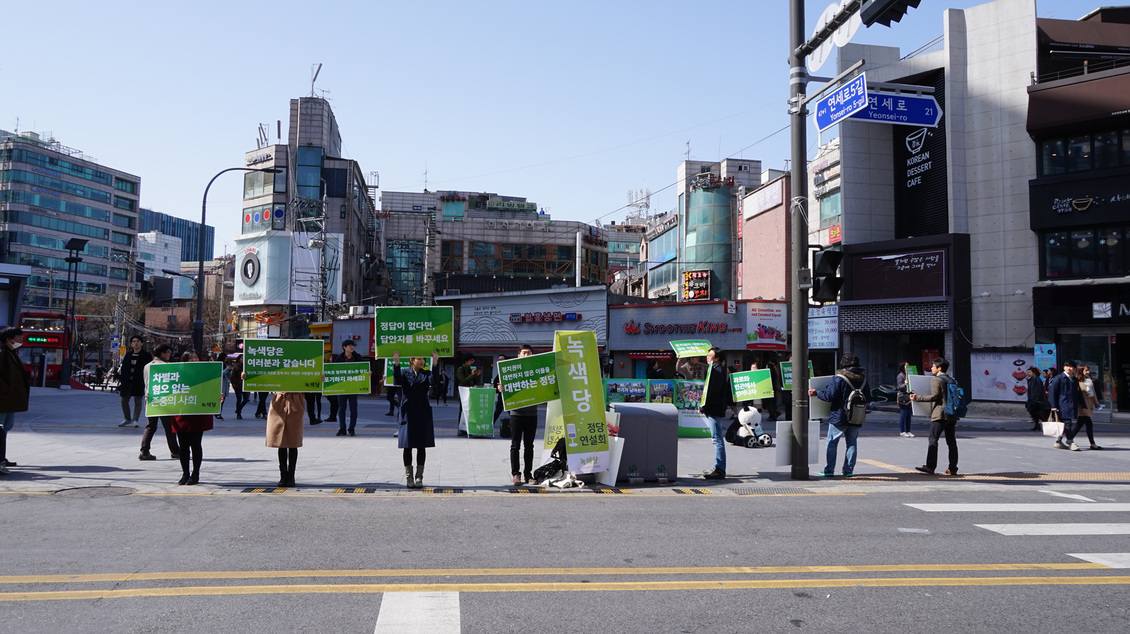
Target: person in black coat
column 417, row 430
column 716, row 400
column 132, row 380
column 15, row 388
column 1037, row 402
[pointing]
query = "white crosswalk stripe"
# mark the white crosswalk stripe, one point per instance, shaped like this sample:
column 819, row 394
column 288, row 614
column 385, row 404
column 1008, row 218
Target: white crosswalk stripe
column 418, row 613
column 1064, row 529
column 1043, row 507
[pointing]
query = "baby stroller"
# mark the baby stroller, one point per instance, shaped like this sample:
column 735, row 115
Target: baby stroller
column 746, row 431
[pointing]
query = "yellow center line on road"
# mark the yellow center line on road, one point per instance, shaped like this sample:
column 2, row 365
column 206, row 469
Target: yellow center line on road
column 630, row 586
column 515, row 572
column 889, row 467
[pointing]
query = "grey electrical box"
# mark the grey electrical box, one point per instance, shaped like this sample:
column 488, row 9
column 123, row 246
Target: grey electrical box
column 651, row 441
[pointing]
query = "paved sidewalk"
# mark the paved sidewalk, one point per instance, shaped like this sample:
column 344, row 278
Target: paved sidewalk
column 70, row 439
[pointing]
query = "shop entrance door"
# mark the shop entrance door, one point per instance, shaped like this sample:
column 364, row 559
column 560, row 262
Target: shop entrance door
column 1109, row 359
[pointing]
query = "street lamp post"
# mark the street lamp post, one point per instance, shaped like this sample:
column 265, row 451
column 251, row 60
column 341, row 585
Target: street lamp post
column 73, row 246
column 198, row 324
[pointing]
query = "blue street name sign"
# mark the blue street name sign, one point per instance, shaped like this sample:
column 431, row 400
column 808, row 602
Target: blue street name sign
column 916, row 110
column 841, row 103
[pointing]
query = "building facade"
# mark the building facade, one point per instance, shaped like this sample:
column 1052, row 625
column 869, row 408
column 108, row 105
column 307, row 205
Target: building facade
column 49, row 194
column 454, row 242
column 187, row 231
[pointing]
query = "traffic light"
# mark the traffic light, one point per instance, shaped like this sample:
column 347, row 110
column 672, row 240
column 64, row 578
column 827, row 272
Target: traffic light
column 826, row 283
column 885, row 11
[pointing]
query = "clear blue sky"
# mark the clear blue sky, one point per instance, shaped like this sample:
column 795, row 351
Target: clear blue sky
column 569, row 104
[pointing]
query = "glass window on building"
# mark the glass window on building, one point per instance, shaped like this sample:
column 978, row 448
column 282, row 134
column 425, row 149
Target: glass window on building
column 1079, row 154
column 484, row 259
column 1125, row 147
column 308, row 175
column 1057, row 255
column 1082, row 249
column 451, row 256
column 337, row 182
column 830, row 210
column 1106, row 149
column 1053, row 157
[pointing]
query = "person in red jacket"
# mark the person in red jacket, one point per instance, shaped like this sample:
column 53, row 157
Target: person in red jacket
column 190, row 430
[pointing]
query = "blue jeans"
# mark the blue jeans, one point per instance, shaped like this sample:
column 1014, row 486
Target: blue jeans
column 718, row 434
column 849, row 433
column 904, row 418
column 348, row 402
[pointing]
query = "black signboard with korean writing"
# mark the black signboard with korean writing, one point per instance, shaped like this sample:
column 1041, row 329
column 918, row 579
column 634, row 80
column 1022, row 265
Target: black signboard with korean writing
column 1080, row 201
column 920, row 179
column 916, row 273
column 696, row 285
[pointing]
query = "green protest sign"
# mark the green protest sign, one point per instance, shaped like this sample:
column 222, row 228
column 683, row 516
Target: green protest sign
column 404, row 363
column 415, row 331
column 691, row 348
column 528, row 380
column 582, row 402
column 343, row 379
column 283, row 365
column 183, row 388
column 911, row 370
column 480, row 411
column 787, row 374
column 746, row 386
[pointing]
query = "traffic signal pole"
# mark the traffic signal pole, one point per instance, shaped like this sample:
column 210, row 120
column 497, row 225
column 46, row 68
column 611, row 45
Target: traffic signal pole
column 798, row 211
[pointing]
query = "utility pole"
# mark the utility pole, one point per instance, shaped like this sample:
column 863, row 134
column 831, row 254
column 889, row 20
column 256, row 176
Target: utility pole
column 798, row 210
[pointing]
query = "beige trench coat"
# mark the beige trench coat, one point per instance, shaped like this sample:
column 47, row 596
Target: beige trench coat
column 285, row 418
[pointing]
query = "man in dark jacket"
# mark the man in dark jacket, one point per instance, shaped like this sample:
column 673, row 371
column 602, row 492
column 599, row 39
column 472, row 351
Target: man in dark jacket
column 849, row 377
column 1065, row 396
column 466, row 375
column 716, row 399
column 1037, row 398
column 940, row 422
column 15, row 388
column 132, row 382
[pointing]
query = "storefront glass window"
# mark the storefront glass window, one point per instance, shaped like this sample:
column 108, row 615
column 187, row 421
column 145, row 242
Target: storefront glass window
column 1053, row 159
column 1082, row 248
column 1057, row 254
column 1079, row 157
column 1106, row 149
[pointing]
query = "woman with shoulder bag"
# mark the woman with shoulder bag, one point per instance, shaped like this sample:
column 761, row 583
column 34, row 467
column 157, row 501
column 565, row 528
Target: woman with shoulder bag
column 1086, row 409
column 903, row 397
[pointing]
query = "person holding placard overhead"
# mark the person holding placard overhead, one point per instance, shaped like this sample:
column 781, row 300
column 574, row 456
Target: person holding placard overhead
column 417, row 429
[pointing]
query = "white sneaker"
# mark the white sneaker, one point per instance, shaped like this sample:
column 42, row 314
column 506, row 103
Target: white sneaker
column 1073, row 447
column 909, row 435
column 903, row 434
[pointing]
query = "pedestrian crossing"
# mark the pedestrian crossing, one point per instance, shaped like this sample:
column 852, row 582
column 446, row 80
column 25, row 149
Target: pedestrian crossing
column 1078, row 506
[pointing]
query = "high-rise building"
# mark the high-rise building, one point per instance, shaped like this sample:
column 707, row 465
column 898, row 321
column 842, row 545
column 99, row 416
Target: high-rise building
column 49, row 194
column 186, row 230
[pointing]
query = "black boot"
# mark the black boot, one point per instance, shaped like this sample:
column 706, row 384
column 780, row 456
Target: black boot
column 283, row 479
column 290, row 478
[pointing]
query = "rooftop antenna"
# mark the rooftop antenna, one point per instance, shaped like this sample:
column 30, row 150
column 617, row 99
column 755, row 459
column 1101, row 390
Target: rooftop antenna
column 264, row 136
column 639, row 203
column 314, row 70
column 688, row 149
column 425, row 176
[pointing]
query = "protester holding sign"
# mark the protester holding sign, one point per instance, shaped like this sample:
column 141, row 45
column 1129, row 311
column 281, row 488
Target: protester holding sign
column 162, row 354
column 417, row 429
column 284, row 431
column 716, row 399
column 348, row 402
column 190, row 430
column 523, row 427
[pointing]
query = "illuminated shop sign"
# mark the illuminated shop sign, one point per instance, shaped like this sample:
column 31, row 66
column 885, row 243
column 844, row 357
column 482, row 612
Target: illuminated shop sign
column 546, row 317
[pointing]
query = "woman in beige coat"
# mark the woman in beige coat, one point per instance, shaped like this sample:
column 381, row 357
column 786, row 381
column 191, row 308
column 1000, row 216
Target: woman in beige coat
column 284, row 430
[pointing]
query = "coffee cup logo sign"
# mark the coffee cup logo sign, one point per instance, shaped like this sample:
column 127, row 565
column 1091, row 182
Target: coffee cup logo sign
column 919, row 162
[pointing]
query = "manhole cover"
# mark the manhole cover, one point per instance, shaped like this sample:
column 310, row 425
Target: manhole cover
column 96, row 492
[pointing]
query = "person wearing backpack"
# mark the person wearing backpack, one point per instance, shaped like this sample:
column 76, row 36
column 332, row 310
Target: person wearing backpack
column 846, row 418
column 941, row 420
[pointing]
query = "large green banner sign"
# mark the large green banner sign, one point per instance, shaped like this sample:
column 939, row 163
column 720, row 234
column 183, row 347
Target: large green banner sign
column 582, row 418
column 625, row 390
column 415, row 331
column 691, row 348
column 480, row 411
column 747, row 386
column 787, row 374
column 688, row 397
column 183, row 388
column 343, row 379
column 405, row 362
column 283, row 365
column 528, row 380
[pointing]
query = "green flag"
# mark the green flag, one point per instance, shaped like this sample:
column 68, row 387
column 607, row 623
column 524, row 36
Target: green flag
column 582, row 402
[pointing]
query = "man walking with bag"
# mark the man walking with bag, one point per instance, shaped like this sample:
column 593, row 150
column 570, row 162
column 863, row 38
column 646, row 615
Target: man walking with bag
column 940, row 421
column 1065, row 397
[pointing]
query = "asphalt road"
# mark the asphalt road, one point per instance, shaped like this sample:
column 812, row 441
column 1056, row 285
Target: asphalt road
column 1031, row 540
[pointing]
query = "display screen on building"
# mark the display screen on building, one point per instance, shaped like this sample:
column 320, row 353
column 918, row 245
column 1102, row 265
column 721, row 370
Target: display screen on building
column 919, row 156
column 919, row 273
column 696, row 285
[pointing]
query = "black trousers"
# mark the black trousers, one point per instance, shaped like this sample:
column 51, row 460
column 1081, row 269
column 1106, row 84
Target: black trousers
column 1080, row 423
column 151, row 429
column 523, row 430
column 937, row 428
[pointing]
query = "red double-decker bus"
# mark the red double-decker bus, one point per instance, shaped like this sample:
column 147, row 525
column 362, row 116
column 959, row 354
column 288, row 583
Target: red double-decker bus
column 44, row 345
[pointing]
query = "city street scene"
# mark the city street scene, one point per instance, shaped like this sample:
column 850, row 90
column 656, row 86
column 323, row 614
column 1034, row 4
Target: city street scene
column 381, row 346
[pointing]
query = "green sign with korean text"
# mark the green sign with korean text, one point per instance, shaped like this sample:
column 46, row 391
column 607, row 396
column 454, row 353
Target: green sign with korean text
column 787, row 374
column 528, row 380
column 582, row 419
column 405, row 362
column 691, row 348
column 183, row 388
column 415, row 331
column 746, row 386
column 283, row 365
column 343, row 379
column 480, row 411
